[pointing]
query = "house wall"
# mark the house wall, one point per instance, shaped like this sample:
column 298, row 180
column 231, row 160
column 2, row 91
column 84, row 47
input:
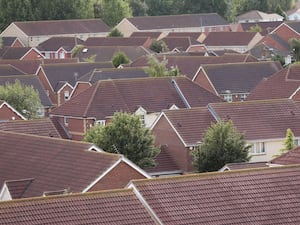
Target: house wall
column 13, row 31
column 32, row 54
column 52, row 95
column 285, row 33
column 126, row 28
column 118, row 177
column 203, row 81
column 165, row 135
column 254, row 41
column 272, row 148
column 240, row 49
column 7, row 114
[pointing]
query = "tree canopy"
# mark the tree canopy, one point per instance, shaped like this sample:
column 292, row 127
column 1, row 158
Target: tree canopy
column 125, row 134
column 120, row 58
column 113, row 11
column 295, row 47
column 158, row 46
column 222, row 144
column 159, row 69
column 115, row 33
column 25, row 99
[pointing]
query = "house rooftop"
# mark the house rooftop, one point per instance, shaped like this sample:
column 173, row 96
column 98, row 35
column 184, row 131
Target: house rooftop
column 288, row 158
column 254, row 196
column 57, row 27
column 177, row 21
column 54, row 164
column 55, row 43
column 116, row 207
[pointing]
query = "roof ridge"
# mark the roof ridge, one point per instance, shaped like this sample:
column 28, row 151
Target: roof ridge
column 44, row 198
column 45, row 21
column 215, row 173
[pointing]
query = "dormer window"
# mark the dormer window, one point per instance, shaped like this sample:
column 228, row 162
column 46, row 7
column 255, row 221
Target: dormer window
column 67, row 95
column 100, row 122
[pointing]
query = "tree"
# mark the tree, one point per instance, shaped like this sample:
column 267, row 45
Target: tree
column 138, row 7
column 115, row 33
column 90, row 59
column 158, row 46
column 120, row 58
column 125, row 134
column 25, row 99
column 159, row 69
column 255, row 28
column 289, row 142
column 295, row 46
column 222, row 144
column 1, row 42
column 112, row 12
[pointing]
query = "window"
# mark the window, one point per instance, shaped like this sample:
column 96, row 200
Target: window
column 142, row 119
column 47, row 55
column 100, row 122
column 66, row 121
column 61, row 55
column 66, row 95
column 243, row 97
column 258, row 148
column 297, row 142
column 228, row 97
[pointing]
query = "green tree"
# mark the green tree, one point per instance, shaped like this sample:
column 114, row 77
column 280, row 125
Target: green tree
column 1, row 42
column 25, row 99
column 158, row 46
column 119, row 58
column 222, row 144
column 289, row 142
column 90, row 59
column 28, row 10
column 295, row 47
column 112, row 12
column 255, row 28
column 125, row 134
column 115, row 33
column 138, row 7
column 159, row 69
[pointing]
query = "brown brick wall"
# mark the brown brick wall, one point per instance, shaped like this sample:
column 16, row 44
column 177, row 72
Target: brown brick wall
column 17, row 44
column 80, row 88
column 286, row 33
column 32, row 55
column 7, row 114
column 202, row 80
column 165, row 135
column 61, row 95
column 47, row 86
column 118, row 177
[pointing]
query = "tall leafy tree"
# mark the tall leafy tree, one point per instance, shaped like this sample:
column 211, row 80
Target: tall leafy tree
column 138, row 7
column 125, row 134
column 222, row 144
column 25, row 99
column 158, row 46
column 120, row 58
column 112, row 12
column 295, row 47
column 115, row 33
column 289, row 142
column 159, row 68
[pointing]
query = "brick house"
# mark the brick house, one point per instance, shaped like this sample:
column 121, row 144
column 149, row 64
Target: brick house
column 234, row 81
column 32, row 33
column 7, row 112
column 145, row 97
column 205, row 22
column 51, row 165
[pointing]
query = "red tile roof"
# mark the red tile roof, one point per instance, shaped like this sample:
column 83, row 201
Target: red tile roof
column 290, row 157
column 56, row 27
column 190, row 124
column 41, row 127
column 7, row 70
column 280, row 85
column 265, row 119
column 177, row 21
column 179, row 43
column 153, row 94
column 54, row 164
column 153, row 35
column 116, row 207
column 239, row 77
column 17, row 188
column 229, row 38
column 118, row 41
column 257, row 196
column 55, row 43
column 189, row 65
column 267, row 27
column 26, row 66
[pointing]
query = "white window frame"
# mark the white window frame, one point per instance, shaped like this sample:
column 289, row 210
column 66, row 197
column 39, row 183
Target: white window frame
column 66, row 95
column 66, row 121
column 228, row 97
column 258, row 148
column 100, row 122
